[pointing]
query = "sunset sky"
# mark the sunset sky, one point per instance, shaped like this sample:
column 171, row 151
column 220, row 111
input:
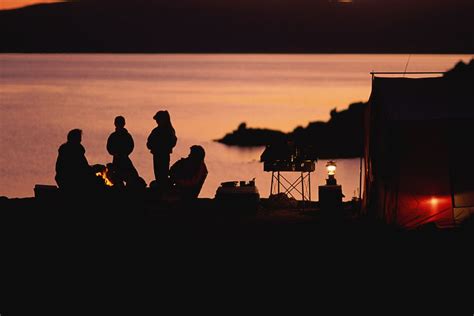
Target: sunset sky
column 10, row 4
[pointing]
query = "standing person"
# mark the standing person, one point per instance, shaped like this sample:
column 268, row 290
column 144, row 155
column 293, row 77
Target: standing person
column 120, row 145
column 72, row 169
column 161, row 143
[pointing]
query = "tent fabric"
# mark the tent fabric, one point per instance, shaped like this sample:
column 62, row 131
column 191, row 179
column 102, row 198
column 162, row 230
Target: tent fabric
column 418, row 136
column 423, row 99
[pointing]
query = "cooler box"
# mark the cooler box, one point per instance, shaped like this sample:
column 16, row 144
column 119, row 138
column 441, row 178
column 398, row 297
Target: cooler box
column 238, row 197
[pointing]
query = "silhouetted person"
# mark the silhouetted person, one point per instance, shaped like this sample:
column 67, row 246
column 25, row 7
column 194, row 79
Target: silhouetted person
column 187, row 175
column 72, row 169
column 120, row 145
column 161, row 143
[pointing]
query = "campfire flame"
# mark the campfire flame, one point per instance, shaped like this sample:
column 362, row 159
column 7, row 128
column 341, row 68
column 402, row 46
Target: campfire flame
column 103, row 175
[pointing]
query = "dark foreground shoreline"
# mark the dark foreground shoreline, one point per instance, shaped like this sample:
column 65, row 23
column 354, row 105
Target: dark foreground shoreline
column 70, row 250
column 201, row 218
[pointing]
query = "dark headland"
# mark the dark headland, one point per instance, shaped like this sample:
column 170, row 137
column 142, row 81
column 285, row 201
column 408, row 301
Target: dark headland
column 340, row 137
column 243, row 26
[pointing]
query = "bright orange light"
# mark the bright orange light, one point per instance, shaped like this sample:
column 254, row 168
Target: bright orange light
column 434, row 201
column 12, row 4
column 331, row 168
column 103, row 175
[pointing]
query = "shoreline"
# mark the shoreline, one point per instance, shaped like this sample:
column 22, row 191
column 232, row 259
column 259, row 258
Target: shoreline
column 204, row 217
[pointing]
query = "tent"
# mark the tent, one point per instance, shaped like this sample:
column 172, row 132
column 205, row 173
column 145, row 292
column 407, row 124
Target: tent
column 419, row 135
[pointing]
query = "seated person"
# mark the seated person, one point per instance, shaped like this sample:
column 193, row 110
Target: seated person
column 72, row 169
column 187, row 175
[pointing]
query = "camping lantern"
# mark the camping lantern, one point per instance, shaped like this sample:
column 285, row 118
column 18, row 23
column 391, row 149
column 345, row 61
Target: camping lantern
column 331, row 168
column 330, row 195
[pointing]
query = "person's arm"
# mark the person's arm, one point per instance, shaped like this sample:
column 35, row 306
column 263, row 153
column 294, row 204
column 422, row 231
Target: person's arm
column 186, row 183
column 149, row 142
column 83, row 163
column 132, row 144
column 110, row 146
column 59, row 163
column 195, row 179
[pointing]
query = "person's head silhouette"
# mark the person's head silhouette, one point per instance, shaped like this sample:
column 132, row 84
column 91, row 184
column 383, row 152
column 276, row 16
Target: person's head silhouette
column 162, row 118
column 119, row 122
column 197, row 153
column 74, row 136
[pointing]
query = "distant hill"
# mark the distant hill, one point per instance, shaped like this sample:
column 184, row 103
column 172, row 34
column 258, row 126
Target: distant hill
column 265, row 26
column 340, row 137
column 250, row 137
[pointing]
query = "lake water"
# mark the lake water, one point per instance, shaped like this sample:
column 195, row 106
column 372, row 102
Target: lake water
column 42, row 97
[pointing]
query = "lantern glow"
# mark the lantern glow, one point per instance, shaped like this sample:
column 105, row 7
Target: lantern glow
column 434, row 201
column 331, row 168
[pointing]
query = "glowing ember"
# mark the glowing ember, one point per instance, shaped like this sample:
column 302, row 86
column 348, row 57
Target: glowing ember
column 103, row 175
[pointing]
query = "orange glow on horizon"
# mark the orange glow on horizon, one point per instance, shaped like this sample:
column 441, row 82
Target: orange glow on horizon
column 13, row 4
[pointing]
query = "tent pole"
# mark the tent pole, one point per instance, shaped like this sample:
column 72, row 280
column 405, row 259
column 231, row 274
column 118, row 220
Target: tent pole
column 360, row 180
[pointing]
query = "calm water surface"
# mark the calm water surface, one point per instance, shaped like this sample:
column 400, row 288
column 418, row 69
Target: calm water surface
column 42, row 97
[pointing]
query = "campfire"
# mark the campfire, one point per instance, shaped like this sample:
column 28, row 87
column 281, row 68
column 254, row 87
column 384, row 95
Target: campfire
column 104, row 174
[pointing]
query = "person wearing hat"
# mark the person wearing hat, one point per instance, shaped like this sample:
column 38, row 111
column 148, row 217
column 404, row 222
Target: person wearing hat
column 188, row 174
column 120, row 145
column 161, row 142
